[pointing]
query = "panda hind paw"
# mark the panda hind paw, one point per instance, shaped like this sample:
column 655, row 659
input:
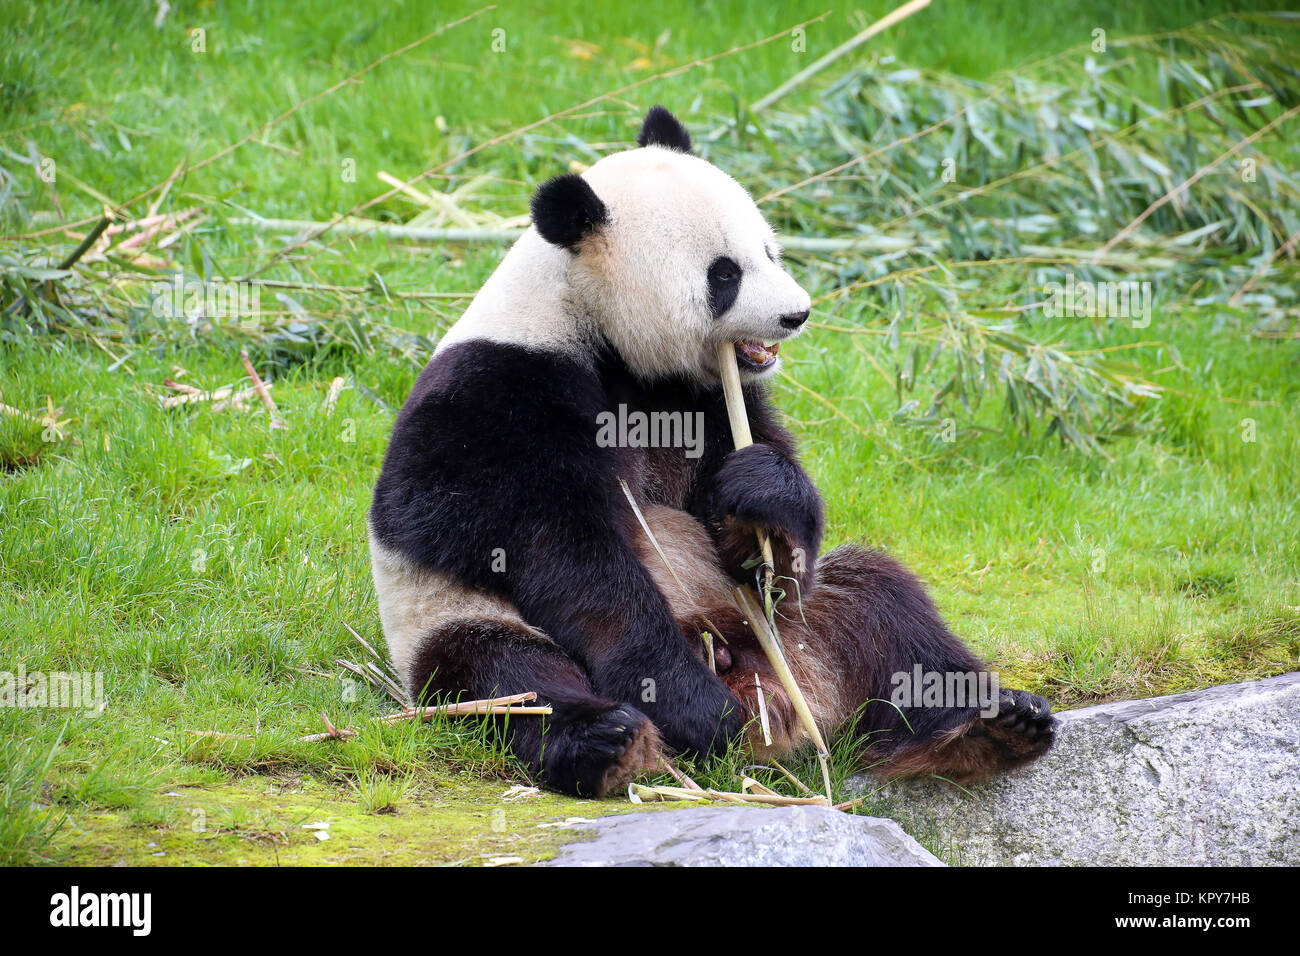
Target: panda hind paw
column 1022, row 729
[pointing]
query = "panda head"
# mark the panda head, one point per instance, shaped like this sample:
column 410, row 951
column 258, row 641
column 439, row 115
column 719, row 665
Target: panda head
column 668, row 256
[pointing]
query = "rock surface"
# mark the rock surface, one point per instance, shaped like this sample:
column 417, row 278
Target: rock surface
column 1210, row 777
column 745, row 836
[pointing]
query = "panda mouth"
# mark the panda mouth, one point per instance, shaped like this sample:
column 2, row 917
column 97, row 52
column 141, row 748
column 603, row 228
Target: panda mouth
column 754, row 354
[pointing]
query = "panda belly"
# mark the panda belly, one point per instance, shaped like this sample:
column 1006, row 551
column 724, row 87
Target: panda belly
column 699, row 592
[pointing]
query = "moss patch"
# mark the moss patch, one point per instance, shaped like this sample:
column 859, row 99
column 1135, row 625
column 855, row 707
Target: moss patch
column 261, row 821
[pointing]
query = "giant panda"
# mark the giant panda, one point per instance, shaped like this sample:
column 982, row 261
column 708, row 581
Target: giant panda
column 507, row 557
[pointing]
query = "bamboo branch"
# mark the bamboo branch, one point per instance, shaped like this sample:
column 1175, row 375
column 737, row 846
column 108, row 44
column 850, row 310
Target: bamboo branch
column 91, row 238
column 609, row 95
column 792, row 778
column 1193, row 179
column 841, row 51
column 681, row 778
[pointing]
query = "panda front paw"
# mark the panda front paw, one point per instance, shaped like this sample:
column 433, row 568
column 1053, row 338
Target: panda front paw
column 702, row 722
column 761, row 488
column 596, row 753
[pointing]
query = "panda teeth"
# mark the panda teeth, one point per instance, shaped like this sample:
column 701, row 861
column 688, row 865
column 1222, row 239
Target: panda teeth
column 757, row 354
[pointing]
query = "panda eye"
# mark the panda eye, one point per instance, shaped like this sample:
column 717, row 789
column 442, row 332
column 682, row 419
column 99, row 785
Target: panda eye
column 724, row 285
column 723, row 271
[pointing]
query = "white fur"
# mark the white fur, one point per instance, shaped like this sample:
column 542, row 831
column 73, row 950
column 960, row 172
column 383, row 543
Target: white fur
column 525, row 301
column 413, row 601
column 641, row 279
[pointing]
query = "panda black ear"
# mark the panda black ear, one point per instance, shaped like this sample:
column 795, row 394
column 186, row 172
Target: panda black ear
column 661, row 128
column 566, row 209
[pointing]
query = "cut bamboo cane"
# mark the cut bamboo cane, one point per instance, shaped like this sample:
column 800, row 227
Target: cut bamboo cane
column 762, row 629
column 682, row 779
column 495, row 706
column 760, row 620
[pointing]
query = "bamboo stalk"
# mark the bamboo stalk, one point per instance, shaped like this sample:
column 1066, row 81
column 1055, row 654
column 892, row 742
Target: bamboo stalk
column 682, row 779
column 760, row 618
column 741, row 437
column 763, row 720
column 494, row 706
column 841, row 51
column 873, row 242
column 767, row 639
column 792, row 778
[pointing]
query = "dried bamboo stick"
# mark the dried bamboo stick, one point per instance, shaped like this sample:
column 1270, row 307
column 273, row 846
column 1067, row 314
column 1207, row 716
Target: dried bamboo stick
column 657, row 794
column 678, row 775
column 260, row 387
column 767, row 639
column 792, row 778
column 494, row 706
column 467, row 708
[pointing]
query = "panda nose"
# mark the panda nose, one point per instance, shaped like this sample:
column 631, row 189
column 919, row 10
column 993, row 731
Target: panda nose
column 794, row 319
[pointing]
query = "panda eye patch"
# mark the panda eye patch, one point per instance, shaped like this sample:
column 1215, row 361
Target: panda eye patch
column 724, row 284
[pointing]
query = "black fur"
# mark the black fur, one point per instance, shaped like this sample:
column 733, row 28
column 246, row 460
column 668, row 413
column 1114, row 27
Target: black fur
column 661, row 128
column 762, row 488
column 724, row 284
column 496, row 448
column 573, row 749
column 566, row 209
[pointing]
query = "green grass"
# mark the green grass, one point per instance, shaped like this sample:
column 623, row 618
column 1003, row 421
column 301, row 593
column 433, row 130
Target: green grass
column 206, row 564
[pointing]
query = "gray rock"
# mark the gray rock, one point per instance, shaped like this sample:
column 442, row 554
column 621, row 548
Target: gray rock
column 745, row 836
column 1210, row 777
